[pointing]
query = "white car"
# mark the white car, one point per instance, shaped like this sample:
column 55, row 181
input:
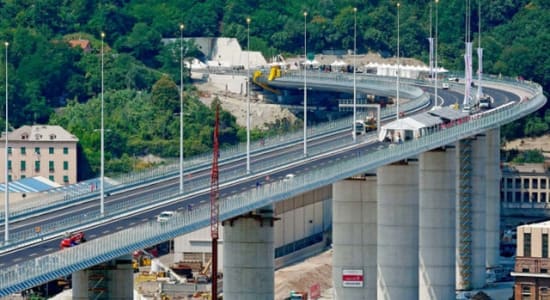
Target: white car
column 288, row 177
column 445, row 86
column 165, row 216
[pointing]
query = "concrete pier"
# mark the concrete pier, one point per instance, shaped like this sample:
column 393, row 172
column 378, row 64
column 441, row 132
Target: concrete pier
column 436, row 246
column 354, row 237
column 397, row 251
column 248, row 256
column 493, row 197
column 471, row 212
column 109, row 280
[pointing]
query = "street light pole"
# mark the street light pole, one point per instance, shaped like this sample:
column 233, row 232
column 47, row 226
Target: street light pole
column 7, row 190
column 248, row 97
column 354, row 80
column 102, row 179
column 398, row 63
column 181, row 108
column 435, row 46
column 305, row 83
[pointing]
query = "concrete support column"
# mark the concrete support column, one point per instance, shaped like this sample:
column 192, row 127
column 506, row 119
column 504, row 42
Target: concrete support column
column 471, row 212
column 248, row 256
column 493, row 197
column 354, row 236
column 397, row 252
column 436, row 245
column 110, row 280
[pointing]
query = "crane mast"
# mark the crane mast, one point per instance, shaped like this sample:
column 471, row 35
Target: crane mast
column 214, row 207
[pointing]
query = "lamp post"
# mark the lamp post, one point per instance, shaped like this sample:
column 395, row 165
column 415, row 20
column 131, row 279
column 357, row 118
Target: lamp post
column 354, row 81
column 248, row 96
column 181, row 108
column 435, row 46
column 102, row 178
column 305, row 83
column 7, row 190
column 398, row 63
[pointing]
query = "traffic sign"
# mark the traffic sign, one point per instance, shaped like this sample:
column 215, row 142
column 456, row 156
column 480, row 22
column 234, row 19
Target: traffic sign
column 352, row 278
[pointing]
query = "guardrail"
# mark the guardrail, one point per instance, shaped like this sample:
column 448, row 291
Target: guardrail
column 89, row 190
column 51, row 266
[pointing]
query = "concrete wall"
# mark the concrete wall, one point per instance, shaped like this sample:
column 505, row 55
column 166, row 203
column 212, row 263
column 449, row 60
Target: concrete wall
column 355, row 236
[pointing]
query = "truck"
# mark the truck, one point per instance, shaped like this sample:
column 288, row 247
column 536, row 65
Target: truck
column 485, row 101
column 364, row 126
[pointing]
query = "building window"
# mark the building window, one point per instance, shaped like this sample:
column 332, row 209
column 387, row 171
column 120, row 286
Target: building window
column 23, row 176
column 65, row 165
column 543, row 183
column 9, row 177
column 51, row 165
column 65, row 150
column 525, row 291
column 527, row 245
column 544, row 271
column 50, row 150
column 51, row 178
column 525, row 183
column 534, row 197
column 37, row 150
column 535, row 183
column 545, row 245
column 509, row 197
column 543, row 197
column 509, row 183
column 9, row 150
column 37, row 165
column 9, row 164
column 526, row 197
column 518, row 197
column 525, row 270
column 518, row 183
column 65, row 179
column 23, row 165
column 23, row 150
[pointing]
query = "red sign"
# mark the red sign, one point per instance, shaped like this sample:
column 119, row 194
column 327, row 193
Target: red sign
column 315, row 291
column 352, row 278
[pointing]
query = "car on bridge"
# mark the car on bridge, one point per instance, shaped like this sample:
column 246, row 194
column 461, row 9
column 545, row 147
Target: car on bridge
column 72, row 239
column 165, row 216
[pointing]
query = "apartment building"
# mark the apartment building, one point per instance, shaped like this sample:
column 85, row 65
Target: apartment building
column 531, row 271
column 525, row 183
column 40, row 150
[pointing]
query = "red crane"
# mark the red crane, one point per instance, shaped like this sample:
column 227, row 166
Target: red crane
column 214, row 206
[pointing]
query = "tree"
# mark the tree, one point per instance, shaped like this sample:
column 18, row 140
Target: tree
column 165, row 94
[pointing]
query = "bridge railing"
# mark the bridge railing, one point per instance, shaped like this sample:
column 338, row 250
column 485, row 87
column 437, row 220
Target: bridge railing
column 49, row 267
column 72, row 195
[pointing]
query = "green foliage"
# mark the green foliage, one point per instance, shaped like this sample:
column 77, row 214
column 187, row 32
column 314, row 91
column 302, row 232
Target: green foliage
column 137, row 126
column 46, row 73
column 529, row 156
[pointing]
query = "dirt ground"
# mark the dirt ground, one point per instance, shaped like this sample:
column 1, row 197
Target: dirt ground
column 300, row 276
column 261, row 113
column 540, row 143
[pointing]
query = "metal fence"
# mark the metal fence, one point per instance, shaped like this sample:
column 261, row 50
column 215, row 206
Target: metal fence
column 49, row 267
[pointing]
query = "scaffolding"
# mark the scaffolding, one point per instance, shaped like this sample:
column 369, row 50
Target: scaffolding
column 465, row 213
column 98, row 282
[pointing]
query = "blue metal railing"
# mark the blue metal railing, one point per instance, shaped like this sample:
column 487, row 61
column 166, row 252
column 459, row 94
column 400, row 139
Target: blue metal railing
column 49, row 267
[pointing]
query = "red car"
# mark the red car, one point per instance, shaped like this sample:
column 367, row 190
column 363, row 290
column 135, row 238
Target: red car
column 72, row 239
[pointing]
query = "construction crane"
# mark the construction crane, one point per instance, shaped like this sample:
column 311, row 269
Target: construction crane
column 214, row 206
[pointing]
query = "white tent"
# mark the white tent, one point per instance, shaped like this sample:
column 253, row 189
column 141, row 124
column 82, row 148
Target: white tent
column 312, row 62
column 400, row 130
column 338, row 63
